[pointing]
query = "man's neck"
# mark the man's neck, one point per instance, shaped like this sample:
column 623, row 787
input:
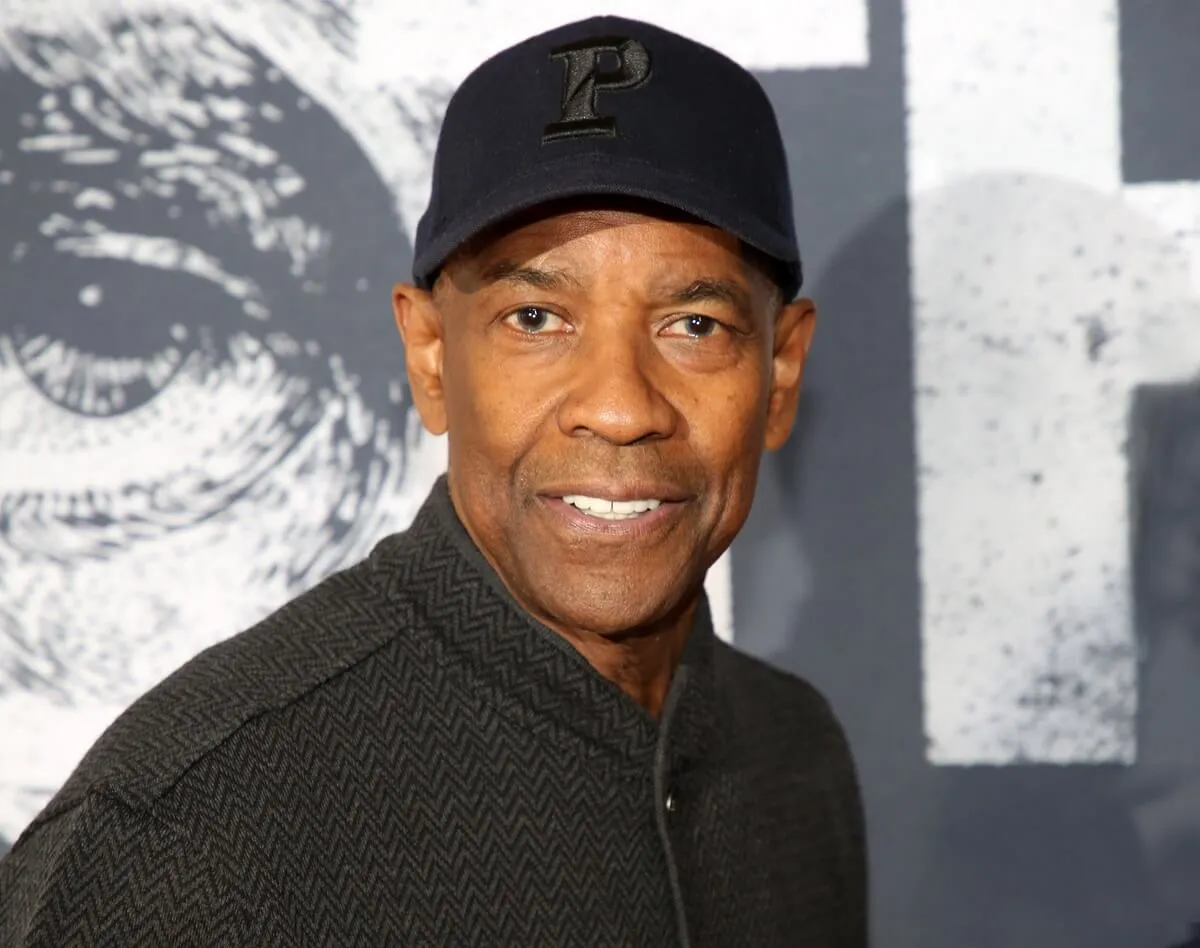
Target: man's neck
column 641, row 663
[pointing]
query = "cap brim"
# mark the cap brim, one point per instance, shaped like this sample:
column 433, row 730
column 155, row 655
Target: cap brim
column 589, row 175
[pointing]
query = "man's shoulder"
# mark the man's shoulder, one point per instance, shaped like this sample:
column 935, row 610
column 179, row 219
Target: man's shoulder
column 776, row 706
column 330, row 630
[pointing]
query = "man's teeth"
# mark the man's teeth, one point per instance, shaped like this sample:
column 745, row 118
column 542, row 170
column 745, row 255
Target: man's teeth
column 611, row 509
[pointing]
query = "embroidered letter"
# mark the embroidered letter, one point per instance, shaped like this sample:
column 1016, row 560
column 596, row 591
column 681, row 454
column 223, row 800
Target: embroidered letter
column 608, row 64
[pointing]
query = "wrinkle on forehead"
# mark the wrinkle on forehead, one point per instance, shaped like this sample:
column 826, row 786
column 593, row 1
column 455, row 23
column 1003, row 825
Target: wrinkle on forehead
column 537, row 235
column 536, row 241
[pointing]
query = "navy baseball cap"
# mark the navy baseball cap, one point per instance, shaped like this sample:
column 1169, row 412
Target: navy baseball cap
column 613, row 107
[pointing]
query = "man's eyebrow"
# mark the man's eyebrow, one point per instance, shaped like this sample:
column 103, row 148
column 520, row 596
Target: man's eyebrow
column 714, row 290
column 540, row 278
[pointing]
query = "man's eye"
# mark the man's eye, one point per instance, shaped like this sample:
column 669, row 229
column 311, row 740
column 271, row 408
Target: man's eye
column 534, row 320
column 694, row 326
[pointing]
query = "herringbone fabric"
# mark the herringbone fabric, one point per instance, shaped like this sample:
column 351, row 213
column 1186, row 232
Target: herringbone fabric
column 402, row 757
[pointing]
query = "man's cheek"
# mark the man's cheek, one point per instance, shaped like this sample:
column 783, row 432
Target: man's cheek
column 505, row 406
column 736, row 422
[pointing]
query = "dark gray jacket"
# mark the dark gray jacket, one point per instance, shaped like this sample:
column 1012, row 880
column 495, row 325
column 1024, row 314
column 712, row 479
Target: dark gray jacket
column 403, row 757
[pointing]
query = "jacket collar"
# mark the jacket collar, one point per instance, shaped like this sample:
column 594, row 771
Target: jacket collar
column 527, row 670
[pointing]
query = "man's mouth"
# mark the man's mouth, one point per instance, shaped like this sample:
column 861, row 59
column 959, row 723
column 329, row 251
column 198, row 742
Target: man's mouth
column 603, row 509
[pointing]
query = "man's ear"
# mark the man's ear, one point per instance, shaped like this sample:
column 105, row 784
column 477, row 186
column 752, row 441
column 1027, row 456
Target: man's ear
column 421, row 328
column 794, row 329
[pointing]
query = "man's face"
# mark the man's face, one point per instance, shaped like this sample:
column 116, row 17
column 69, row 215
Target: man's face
column 604, row 355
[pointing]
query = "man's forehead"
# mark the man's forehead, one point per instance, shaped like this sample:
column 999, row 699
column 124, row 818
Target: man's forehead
column 703, row 261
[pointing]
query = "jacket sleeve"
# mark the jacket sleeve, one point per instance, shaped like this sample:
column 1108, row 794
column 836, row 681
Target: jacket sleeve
column 104, row 874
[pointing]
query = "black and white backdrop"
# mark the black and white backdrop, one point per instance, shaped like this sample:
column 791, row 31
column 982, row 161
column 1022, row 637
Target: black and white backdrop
column 983, row 542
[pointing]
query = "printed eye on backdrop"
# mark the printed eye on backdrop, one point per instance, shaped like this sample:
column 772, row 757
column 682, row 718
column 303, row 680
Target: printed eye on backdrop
column 200, row 400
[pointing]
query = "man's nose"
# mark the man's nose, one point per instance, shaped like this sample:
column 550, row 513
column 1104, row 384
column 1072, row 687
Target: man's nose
column 616, row 390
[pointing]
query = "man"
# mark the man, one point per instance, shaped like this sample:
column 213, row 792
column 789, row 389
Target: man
column 512, row 723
